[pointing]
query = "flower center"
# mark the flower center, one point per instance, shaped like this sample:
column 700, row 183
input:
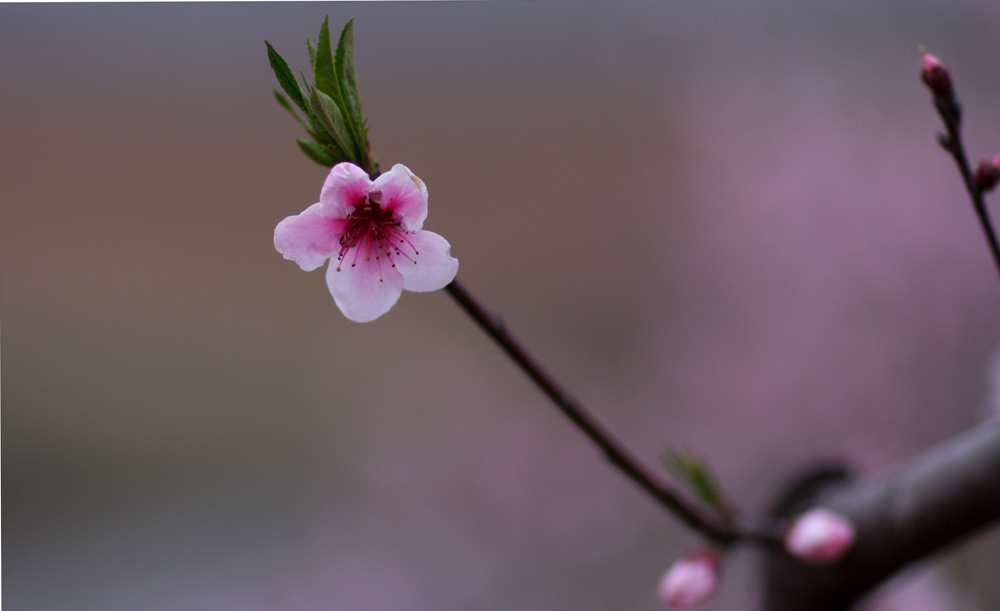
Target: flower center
column 374, row 233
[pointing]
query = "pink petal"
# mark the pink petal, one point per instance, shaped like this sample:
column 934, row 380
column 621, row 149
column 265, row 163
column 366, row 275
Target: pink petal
column 308, row 238
column 404, row 194
column 357, row 290
column 345, row 186
column 432, row 268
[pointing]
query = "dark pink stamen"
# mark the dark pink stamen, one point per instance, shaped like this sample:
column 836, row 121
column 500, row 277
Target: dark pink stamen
column 376, row 231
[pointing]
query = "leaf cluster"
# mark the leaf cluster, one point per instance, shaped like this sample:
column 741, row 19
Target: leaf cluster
column 331, row 105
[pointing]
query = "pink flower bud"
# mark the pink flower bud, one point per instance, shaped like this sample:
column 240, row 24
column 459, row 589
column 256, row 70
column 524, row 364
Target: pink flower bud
column 936, row 76
column 820, row 536
column 988, row 173
column 692, row 581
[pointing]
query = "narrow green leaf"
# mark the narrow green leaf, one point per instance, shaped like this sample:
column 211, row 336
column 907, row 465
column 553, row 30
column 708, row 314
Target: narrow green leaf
column 343, row 63
column 323, row 71
column 332, row 119
column 316, row 131
column 305, row 82
column 285, row 77
column 318, row 127
column 695, row 475
column 287, row 106
column 312, row 51
column 283, row 101
column 317, row 153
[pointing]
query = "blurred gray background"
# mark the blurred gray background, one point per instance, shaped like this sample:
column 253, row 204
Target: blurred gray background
column 725, row 225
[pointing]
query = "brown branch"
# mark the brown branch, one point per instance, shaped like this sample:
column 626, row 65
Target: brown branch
column 940, row 498
column 707, row 524
column 937, row 77
column 953, row 144
column 935, row 501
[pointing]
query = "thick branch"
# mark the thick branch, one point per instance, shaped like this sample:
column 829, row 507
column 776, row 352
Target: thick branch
column 938, row 499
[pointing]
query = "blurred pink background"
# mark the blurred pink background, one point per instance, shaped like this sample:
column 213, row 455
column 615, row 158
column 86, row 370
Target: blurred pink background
column 725, row 225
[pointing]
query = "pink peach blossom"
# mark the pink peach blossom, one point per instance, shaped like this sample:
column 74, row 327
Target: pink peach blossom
column 371, row 231
column 820, row 536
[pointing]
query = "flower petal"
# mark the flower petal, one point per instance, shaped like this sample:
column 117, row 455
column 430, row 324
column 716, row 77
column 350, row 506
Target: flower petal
column 357, row 290
column 345, row 186
column 404, row 194
column 432, row 267
column 309, row 239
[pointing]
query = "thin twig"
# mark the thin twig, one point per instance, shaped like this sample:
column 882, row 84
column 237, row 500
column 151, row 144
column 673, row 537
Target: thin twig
column 951, row 114
column 708, row 525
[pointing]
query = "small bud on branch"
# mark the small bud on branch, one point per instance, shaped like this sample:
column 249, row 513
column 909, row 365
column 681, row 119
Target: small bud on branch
column 693, row 581
column 820, row 536
column 935, row 75
column 988, row 173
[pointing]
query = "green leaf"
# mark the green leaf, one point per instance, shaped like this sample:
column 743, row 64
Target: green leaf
column 285, row 77
column 343, row 63
column 317, row 132
column 283, row 101
column 696, row 476
column 312, row 51
column 317, row 153
column 323, row 70
column 332, row 120
column 305, row 82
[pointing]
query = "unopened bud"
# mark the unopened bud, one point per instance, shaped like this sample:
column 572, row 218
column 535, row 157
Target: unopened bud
column 988, row 173
column 820, row 536
column 692, row 581
column 936, row 76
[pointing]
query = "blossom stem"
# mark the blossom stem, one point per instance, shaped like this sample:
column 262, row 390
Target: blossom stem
column 953, row 144
column 708, row 525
